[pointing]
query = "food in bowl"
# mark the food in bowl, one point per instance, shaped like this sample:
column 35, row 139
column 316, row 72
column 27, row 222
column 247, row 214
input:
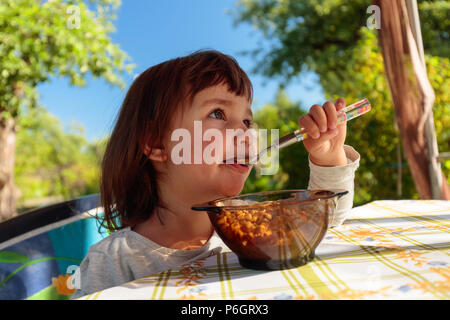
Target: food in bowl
column 253, row 225
column 273, row 230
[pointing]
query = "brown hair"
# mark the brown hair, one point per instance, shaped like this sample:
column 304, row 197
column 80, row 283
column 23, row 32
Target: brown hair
column 128, row 185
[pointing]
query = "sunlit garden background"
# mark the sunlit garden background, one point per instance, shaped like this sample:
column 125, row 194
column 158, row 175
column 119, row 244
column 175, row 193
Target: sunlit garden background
column 63, row 77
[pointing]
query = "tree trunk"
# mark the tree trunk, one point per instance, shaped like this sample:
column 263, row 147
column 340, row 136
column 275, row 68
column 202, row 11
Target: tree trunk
column 8, row 191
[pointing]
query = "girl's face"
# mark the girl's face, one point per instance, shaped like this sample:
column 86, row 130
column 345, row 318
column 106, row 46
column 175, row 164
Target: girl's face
column 216, row 108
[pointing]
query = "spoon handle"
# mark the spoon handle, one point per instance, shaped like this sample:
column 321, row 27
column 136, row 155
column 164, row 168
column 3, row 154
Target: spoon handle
column 289, row 139
column 348, row 113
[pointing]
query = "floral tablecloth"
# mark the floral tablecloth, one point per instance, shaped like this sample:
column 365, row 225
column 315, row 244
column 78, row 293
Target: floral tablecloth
column 385, row 250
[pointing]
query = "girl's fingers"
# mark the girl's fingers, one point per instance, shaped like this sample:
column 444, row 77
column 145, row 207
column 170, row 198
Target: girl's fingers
column 318, row 115
column 330, row 111
column 329, row 134
column 321, row 122
column 310, row 127
column 340, row 104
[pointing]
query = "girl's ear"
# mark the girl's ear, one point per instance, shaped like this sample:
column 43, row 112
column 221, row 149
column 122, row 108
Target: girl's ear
column 156, row 154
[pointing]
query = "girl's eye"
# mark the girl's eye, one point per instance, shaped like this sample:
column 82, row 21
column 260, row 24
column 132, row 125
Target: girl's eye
column 220, row 115
column 217, row 114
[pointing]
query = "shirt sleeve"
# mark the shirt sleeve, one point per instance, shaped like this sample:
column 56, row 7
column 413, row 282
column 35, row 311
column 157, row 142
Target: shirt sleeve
column 337, row 178
column 96, row 273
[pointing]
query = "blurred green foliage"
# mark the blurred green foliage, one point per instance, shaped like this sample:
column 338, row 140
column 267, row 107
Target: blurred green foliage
column 294, row 166
column 55, row 38
column 44, row 39
column 330, row 38
column 51, row 161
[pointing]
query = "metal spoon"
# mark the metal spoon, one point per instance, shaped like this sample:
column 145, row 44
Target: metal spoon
column 348, row 113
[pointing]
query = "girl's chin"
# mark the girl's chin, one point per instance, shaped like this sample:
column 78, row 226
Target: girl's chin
column 230, row 189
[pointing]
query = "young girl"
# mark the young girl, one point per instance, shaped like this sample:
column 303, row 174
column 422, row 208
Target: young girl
column 147, row 198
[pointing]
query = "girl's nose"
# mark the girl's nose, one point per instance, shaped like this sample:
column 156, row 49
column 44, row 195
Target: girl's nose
column 242, row 142
column 245, row 141
column 241, row 138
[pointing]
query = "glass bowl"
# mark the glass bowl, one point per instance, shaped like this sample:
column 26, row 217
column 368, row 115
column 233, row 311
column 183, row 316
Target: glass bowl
column 273, row 230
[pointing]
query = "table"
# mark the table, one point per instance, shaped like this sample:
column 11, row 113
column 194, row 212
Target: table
column 385, row 250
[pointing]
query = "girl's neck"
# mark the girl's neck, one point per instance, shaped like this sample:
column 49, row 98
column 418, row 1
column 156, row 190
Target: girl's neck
column 184, row 230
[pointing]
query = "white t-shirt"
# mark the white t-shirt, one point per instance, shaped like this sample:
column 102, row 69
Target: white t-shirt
column 125, row 255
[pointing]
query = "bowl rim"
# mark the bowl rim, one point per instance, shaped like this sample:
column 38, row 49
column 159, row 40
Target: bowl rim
column 210, row 206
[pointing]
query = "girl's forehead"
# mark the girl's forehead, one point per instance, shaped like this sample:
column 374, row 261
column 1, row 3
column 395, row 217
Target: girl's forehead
column 219, row 94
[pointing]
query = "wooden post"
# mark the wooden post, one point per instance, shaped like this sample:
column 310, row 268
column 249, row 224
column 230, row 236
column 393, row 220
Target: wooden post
column 434, row 166
column 412, row 94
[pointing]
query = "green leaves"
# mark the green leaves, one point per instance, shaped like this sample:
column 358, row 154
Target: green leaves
column 38, row 39
column 12, row 257
column 330, row 37
column 293, row 162
column 51, row 161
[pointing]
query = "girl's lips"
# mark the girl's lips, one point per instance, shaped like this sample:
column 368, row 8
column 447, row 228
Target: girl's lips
column 242, row 168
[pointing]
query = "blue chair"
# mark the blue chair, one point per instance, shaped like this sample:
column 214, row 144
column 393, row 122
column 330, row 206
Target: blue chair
column 40, row 249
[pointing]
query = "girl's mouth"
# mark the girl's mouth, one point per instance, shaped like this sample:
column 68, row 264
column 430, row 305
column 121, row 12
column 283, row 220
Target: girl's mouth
column 242, row 168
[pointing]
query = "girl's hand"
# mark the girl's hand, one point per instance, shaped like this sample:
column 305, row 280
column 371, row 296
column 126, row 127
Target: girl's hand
column 325, row 142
